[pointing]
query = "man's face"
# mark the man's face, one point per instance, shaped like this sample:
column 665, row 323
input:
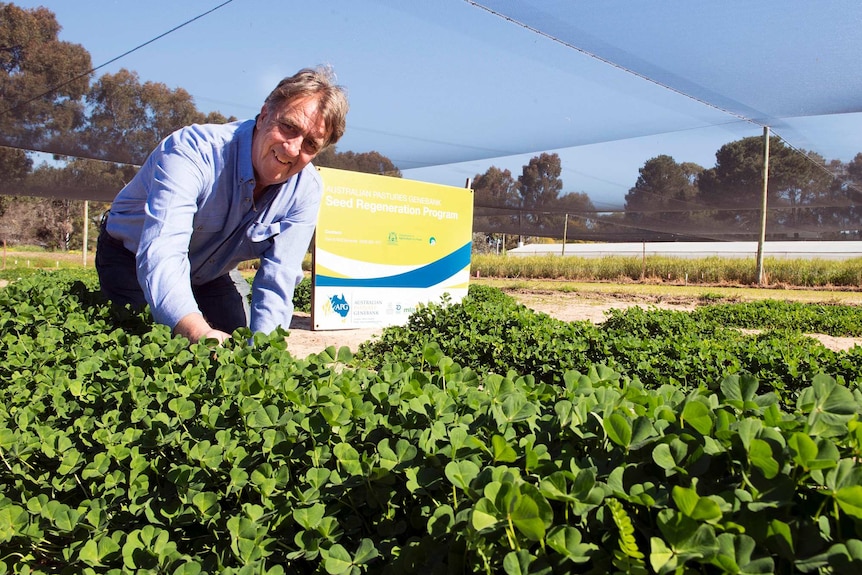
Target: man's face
column 286, row 139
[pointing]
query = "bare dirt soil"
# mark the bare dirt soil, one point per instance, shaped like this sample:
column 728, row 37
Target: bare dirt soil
column 303, row 341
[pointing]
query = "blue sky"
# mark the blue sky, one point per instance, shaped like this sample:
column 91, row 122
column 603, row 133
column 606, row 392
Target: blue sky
column 447, row 88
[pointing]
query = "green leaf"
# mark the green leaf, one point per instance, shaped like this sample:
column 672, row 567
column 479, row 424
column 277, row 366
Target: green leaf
column 848, row 556
column 207, row 503
column 698, row 416
column 484, row 515
column 184, row 408
column 209, row 455
column 309, row 517
column 431, row 353
column 849, row 499
column 692, row 505
column 515, row 408
column 442, row 521
column 748, row 429
column 94, row 551
column 518, row 562
column 192, row 569
column 619, row 429
column 804, row 448
column 734, row 556
column 566, row 540
column 760, row 456
column 643, row 431
column 338, row 561
column 461, row 473
column 686, row 537
column 525, row 517
column 344, row 355
column 740, row 391
column 13, row 520
column 72, row 460
column 830, row 405
column 265, row 416
column 61, row 515
column 810, row 455
column 503, row 452
column 365, row 552
column 348, row 458
column 661, row 557
column 663, row 456
column 780, row 536
column 97, row 467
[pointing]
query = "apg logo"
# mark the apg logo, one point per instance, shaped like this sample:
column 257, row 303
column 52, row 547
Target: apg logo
column 339, row 305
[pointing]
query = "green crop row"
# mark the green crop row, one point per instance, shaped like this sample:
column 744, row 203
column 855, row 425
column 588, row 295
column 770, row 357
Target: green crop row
column 123, row 449
column 806, row 272
column 490, row 332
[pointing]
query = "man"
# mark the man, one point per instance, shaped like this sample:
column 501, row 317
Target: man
column 211, row 196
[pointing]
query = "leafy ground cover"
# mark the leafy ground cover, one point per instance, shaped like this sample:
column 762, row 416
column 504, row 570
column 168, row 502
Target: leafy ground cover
column 480, row 438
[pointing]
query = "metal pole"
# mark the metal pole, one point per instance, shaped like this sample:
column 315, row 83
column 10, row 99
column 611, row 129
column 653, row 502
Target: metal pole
column 643, row 260
column 762, row 240
column 86, row 230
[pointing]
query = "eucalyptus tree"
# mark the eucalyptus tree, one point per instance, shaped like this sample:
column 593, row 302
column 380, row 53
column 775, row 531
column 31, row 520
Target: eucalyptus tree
column 128, row 118
column 540, row 185
column 798, row 184
column 663, row 190
column 42, row 81
column 496, row 202
column 367, row 162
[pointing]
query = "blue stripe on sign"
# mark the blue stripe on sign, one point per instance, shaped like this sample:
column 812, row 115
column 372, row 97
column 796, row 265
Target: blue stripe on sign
column 423, row 277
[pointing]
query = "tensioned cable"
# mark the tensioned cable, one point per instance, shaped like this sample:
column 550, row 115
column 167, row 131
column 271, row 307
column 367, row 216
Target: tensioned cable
column 609, row 62
column 112, row 60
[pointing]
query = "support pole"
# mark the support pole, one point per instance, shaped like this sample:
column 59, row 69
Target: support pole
column 565, row 234
column 86, row 231
column 762, row 240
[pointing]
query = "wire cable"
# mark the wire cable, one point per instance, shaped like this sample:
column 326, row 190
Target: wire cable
column 112, row 60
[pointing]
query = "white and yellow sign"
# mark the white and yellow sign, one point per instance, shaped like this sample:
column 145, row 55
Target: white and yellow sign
column 384, row 245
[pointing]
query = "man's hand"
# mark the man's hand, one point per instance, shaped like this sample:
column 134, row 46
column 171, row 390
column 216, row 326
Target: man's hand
column 195, row 328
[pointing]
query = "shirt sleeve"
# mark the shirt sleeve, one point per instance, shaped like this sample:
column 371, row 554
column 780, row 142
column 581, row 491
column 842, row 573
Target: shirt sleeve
column 163, row 266
column 281, row 264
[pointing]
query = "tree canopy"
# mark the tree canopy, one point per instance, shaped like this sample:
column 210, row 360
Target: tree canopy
column 366, row 162
column 532, row 205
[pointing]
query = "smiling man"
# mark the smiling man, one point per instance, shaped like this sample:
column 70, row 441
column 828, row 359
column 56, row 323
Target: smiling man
column 211, row 196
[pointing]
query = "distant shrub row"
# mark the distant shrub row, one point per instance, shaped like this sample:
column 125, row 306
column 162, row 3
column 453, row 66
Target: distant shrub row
column 710, row 270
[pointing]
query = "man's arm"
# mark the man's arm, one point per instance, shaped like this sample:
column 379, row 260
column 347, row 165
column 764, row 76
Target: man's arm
column 281, row 265
column 195, row 328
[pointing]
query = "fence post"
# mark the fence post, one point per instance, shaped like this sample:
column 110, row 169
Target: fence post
column 759, row 271
column 565, row 234
column 86, row 231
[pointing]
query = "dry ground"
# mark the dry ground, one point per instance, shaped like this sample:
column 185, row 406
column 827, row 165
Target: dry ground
column 561, row 305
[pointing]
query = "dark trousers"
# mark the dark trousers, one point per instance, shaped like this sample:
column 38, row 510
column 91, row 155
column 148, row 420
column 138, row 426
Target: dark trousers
column 223, row 301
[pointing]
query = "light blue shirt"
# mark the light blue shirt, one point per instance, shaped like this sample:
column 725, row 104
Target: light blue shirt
column 190, row 217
